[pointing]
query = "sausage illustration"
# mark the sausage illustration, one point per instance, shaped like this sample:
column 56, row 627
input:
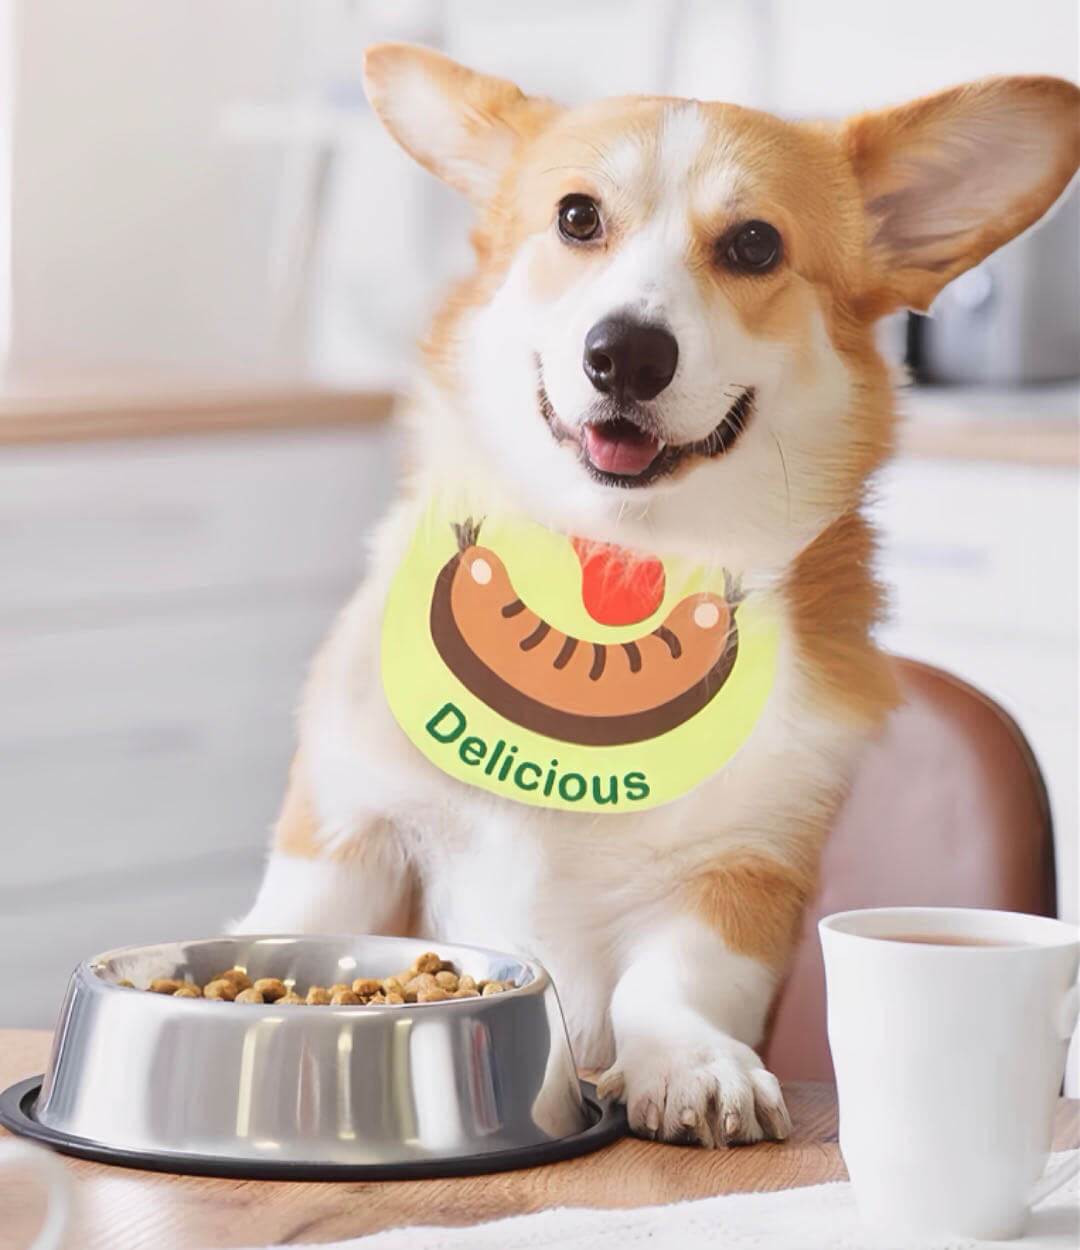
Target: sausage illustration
column 592, row 693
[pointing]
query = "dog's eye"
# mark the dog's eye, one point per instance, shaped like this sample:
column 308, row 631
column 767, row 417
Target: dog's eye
column 753, row 247
column 579, row 218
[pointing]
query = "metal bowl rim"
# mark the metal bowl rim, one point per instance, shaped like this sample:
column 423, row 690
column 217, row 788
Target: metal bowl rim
column 88, row 970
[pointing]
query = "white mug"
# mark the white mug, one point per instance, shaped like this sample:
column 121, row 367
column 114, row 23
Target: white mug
column 50, row 1170
column 949, row 1061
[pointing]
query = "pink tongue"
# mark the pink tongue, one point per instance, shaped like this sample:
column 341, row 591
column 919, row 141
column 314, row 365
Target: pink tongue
column 620, row 448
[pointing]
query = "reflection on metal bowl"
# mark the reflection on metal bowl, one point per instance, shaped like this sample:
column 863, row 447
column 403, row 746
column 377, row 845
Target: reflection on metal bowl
column 257, row 1089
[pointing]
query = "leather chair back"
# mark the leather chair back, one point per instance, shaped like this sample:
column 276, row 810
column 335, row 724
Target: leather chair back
column 948, row 808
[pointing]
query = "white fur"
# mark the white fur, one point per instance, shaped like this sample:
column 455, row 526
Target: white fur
column 593, row 898
column 682, row 140
column 648, row 991
column 761, row 502
column 430, row 124
column 686, row 1012
column 302, row 895
column 575, row 892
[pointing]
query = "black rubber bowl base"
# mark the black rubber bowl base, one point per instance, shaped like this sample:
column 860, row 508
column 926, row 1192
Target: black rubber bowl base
column 17, row 1104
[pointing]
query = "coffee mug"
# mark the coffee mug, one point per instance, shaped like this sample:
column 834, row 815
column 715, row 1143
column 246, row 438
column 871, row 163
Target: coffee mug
column 53, row 1175
column 949, row 1029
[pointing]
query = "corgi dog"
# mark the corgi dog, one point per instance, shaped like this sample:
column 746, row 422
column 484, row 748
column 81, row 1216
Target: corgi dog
column 666, row 347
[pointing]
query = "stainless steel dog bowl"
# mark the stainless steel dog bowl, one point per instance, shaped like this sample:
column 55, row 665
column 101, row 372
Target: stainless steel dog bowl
column 186, row 1084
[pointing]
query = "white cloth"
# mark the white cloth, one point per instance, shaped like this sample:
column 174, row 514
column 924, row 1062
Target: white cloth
column 819, row 1217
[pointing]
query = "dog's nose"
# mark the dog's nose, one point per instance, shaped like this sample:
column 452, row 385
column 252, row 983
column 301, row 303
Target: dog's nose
column 629, row 359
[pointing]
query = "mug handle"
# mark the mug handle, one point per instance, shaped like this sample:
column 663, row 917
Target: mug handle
column 1053, row 1180
column 54, row 1176
column 1066, row 1022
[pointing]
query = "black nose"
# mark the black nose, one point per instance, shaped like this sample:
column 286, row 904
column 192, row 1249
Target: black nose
column 629, row 360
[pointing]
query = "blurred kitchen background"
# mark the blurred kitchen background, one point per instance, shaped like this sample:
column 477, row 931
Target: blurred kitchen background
column 213, row 265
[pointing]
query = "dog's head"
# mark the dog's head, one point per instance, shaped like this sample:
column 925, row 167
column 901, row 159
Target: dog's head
column 671, row 316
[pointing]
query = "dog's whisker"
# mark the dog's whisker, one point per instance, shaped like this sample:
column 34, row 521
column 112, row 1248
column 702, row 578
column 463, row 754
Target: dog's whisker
column 783, row 465
column 668, row 456
column 599, row 171
column 731, row 426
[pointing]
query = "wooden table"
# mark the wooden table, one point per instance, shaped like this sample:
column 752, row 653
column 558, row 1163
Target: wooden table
column 123, row 1209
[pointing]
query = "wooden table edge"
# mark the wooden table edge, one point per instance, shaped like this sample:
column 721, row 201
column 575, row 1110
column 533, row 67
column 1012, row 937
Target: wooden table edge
column 128, row 1209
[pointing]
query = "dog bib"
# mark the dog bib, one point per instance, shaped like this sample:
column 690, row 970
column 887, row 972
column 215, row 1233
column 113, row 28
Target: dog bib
column 568, row 674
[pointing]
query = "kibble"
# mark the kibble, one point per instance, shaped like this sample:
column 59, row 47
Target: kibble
column 270, row 988
column 435, row 995
column 237, row 976
column 429, row 979
column 164, row 985
column 221, row 989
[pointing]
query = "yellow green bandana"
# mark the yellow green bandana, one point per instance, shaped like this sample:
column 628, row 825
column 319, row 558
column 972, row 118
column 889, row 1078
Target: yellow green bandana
column 568, row 674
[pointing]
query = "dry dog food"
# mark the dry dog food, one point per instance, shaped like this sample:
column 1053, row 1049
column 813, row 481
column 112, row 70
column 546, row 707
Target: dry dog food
column 430, row 979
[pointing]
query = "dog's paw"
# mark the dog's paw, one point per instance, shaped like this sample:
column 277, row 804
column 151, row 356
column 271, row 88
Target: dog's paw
column 712, row 1094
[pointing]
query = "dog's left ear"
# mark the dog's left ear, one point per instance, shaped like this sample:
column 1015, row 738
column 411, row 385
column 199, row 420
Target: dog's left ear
column 460, row 125
column 947, row 179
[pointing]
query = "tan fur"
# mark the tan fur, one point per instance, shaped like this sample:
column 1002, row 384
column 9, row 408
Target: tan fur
column 884, row 147
column 755, row 902
column 834, row 603
column 873, row 216
column 814, row 182
column 493, row 114
column 296, row 831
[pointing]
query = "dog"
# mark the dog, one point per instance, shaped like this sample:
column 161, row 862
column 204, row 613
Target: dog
column 666, row 346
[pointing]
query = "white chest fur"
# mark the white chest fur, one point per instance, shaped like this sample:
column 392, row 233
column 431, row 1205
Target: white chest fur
column 575, row 891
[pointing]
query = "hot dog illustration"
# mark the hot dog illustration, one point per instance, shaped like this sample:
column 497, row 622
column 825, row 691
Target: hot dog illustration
column 570, row 689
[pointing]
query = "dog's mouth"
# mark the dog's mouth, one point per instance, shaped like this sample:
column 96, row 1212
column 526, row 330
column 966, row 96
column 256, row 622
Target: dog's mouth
column 620, row 448
column 626, row 448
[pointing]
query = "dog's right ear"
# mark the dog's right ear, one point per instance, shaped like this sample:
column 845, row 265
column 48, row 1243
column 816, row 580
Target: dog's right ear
column 947, row 179
column 461, row 126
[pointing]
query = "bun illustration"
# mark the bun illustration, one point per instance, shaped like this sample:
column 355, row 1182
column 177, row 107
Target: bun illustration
column 592, row 693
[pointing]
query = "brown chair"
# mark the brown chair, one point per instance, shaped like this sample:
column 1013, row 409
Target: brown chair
column 948, row 808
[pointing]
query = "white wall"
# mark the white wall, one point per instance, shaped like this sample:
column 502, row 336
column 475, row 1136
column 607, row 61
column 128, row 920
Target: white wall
column 6, row 101
column 833, row 56
column 144, row 240
column 140, row 237
column 801, row 58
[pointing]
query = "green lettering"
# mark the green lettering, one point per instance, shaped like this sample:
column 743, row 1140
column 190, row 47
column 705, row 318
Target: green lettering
column 578, row 780
column 612, row 795
column 472, row 750
column 447, row 709
column 490, row 767
column 636, row 786
column 508, row 763
column 519, row 773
